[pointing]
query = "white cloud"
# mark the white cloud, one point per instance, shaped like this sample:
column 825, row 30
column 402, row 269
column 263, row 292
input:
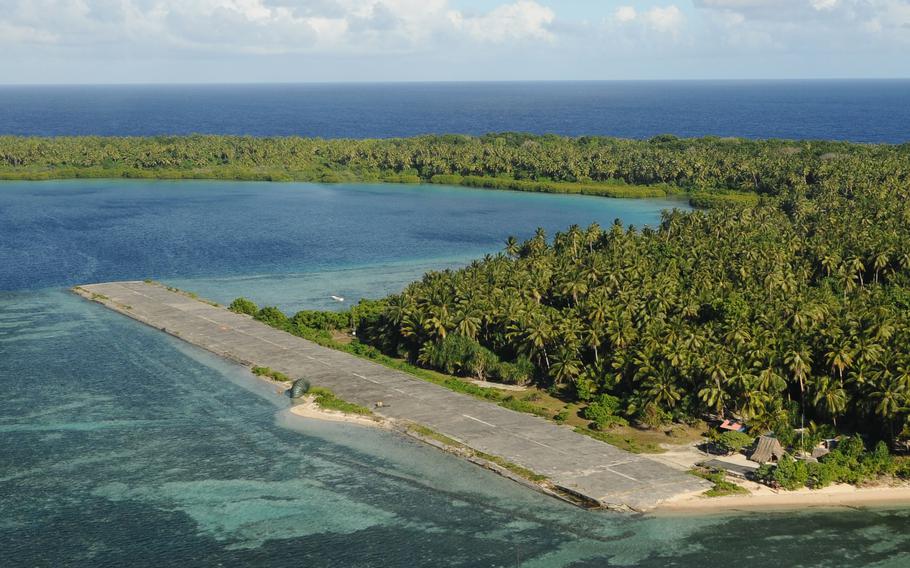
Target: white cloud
column 13, row 34
column 809, row 25
column 625, row 14
column 823, row 4
column 524, row 19
column 269, row 26
column 665, row 19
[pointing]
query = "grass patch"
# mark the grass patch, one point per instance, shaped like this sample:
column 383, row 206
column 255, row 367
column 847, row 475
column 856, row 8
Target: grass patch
column 722, row 487
column 519, row 405
column 328, row 400
column 622, row 442
column 612, row 188
column 271, row 373
column 433, row 434
column 513, row 467
column 192, row 295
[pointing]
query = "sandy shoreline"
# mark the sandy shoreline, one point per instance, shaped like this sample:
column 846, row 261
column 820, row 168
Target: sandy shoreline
column 308, row 408
column 767, row 499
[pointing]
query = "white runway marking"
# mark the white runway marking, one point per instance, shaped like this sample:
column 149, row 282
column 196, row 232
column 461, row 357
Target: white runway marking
column 479, row 420
column 366, row 379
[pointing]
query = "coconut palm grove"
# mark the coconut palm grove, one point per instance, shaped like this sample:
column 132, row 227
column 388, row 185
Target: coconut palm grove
column 781, row 300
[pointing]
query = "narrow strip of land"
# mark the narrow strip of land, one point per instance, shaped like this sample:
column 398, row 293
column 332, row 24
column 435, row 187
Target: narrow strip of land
column 572, row 462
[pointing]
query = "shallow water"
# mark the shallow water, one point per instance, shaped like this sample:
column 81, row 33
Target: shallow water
column 120, row 445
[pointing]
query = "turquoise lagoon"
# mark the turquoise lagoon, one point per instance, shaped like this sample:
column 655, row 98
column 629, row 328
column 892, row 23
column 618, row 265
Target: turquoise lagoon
column 120, row 445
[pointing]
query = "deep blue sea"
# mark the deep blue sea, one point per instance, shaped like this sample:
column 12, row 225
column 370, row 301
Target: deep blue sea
column 862, row 111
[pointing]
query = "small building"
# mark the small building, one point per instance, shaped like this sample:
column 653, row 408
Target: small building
column 767, row 449
column 824, row 447
column 820, row 452
column 733, row 426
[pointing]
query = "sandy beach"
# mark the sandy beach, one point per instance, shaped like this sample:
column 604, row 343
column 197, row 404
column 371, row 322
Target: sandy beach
column 765, row 498
column 308, row 408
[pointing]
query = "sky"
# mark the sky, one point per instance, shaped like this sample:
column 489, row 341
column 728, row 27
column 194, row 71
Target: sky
column 239, row 41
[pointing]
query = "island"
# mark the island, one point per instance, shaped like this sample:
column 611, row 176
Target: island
column 774, row 317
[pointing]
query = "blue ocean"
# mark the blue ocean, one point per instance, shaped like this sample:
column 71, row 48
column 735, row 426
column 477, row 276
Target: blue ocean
column 120, row 445
column 861, row 111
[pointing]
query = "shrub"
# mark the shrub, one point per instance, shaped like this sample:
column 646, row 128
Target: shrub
column 878, row 462
column 519, row 372
column 602, row 413
column 730, row 442
column 244, row 306
column 322, row 320
column 653, row 415
column 790, row 474
column 823, row 474
column 902, row 468
column 274, row 317
column 585, row 387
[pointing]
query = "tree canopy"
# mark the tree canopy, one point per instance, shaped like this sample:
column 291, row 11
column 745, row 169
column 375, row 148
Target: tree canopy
column 796, row 308
column 766, row 167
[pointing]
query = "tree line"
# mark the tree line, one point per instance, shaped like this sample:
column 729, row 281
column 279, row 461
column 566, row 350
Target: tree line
column 790, row 312
column 766, row 167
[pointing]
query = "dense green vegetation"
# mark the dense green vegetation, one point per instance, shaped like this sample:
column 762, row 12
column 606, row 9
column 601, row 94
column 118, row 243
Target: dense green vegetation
column 848, row 463
column 714, row 169
column 786, row 304
column 789, row 312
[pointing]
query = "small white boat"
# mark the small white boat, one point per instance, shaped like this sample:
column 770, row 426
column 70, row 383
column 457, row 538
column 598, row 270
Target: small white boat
column 338, row 298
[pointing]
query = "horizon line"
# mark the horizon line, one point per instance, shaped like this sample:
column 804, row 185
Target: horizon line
column 459, row 81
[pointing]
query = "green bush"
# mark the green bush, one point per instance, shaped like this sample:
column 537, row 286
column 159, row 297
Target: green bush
column 602, row 413
column 244, row 306
column 902, row 468
column 322, row 320
column 848, row 463
column 519, row 372
column 274, row 317
column 790, row 474
column 823, row 474
column 730, row 442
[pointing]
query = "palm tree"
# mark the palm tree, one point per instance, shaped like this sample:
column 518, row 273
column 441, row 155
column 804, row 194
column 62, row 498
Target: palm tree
column 566, row 366
column 512, row 246
column 830, row 397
